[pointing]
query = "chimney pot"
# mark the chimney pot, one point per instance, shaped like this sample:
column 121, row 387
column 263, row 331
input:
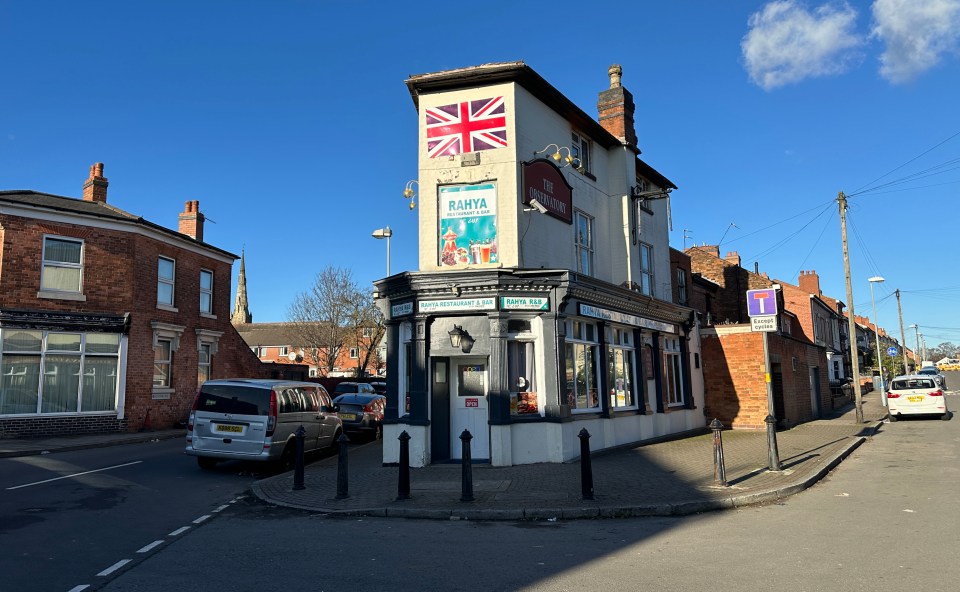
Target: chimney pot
column 95, row 188
column 615, row 108
column 191, row 220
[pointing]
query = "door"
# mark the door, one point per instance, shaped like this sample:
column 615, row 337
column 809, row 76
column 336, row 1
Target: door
column 468, row 407
column 815, row 392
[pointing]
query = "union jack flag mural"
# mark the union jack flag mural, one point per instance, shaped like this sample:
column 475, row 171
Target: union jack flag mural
column 466, row 127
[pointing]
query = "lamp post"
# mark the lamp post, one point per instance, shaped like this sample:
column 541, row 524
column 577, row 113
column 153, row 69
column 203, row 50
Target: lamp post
column 916, row 352
column 386, row 233
column 876, row 336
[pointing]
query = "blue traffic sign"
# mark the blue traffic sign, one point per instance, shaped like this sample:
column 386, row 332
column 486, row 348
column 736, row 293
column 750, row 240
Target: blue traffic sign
column 891, row 351
column 762, row 303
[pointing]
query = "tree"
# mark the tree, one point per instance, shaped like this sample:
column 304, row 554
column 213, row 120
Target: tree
column 329, row 317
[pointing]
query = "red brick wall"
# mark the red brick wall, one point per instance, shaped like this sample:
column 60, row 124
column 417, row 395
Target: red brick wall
column 120, row 276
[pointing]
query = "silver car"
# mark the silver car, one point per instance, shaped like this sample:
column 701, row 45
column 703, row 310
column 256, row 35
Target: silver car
column 254, row 419
column 935, row 373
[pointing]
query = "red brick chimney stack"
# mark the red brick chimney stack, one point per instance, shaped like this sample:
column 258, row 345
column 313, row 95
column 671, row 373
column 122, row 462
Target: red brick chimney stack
column 732, row 257
column 810, row 282
column 191, row 220
column 615, row 107
column 95, row 188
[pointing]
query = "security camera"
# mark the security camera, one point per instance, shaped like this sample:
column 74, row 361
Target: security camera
column 537, row 206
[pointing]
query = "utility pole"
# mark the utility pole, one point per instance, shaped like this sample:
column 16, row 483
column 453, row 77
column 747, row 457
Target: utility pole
column 851, row 324
column 903, row 335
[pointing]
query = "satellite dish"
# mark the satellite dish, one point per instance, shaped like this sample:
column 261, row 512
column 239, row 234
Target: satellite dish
column 292, row 356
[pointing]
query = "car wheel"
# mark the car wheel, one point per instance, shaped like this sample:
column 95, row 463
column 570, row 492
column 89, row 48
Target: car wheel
column 946, row 416
column 206, row 463
column 892, row 417
column 378, row 432
column 287, row 459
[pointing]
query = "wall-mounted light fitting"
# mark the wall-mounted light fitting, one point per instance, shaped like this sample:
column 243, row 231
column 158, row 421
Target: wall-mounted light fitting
column 410, row 193
column 558, row 156
column 460, row 338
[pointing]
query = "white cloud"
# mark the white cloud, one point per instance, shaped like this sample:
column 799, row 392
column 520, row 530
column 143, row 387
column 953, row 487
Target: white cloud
column 788, row 43
column 917, row 35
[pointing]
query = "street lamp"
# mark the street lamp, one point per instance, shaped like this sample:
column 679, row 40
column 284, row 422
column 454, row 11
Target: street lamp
column 386, row 233
column 876, row 336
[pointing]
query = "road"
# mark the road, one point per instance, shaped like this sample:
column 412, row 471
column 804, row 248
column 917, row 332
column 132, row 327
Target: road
column 68, row 516
column 884, row 520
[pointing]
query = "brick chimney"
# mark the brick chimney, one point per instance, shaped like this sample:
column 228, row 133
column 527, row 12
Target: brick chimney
column 810, row 282
column 95, row 188
column 732, row 257
column 191, row 220
column 615, row 106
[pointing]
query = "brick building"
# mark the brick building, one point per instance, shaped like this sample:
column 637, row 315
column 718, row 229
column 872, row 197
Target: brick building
column 735, row 388
column 108, row 321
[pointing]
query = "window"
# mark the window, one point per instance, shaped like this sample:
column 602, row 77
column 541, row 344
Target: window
column 583, row 225
column 206, row 292
column 672, row 373
column 166, row 271
column 367, row 332
column 580, row 149
column 62, row 264
column 162, row 361
column 354, row 353
column 682, row 286
column 203, row 363
column 49, row 372
column 282, row 351
column 581, row 366
column 521, row 376
column 620, row 364
column 646, row 269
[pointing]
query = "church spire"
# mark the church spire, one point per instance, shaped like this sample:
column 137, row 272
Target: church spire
column 241, row 312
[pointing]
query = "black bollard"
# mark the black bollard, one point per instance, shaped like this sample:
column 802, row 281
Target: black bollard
column 586, row 465
column 466, row 494
column 342, row 485
column 719, row 470
column 298, row 461
column 403, row 486
column 772, row 452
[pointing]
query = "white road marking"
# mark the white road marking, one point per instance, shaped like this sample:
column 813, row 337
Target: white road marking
column 79, row 588
column 114, row 567
column 150, row 546
column 221, row 508
column 74, row 475
column 179, row 531
column 201, row 519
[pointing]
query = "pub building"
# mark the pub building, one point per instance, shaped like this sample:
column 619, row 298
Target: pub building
column 543, row 303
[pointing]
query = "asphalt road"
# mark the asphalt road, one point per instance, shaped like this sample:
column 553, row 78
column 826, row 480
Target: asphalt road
column 68, row 516
column 885, row 520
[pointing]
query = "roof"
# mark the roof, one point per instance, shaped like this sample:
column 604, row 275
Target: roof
column 269, row 334
column 520, row 73
column 70, row 205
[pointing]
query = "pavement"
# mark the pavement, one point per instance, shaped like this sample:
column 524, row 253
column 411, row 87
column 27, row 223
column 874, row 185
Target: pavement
column 675, row 477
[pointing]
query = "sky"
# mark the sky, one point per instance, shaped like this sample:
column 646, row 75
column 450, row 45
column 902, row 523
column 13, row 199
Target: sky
column 291, row 124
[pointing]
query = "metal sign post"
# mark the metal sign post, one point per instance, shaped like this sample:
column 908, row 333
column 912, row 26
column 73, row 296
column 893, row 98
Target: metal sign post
column 762, row 308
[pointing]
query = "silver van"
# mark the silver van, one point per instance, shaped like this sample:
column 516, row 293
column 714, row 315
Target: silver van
column 254, row 419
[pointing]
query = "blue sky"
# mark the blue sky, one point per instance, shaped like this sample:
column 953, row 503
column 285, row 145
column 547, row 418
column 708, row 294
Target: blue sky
column 290, row 122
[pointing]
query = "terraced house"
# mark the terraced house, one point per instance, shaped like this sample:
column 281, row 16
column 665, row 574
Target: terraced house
column 108, row 321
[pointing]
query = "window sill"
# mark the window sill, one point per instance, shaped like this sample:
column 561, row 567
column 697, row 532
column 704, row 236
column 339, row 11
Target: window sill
column 162, row 393
column 167, row 307
column 207, row 315
column 52, row 295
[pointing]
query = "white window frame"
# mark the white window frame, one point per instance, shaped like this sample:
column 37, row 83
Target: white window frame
column 166, row 362
column 580, row 149
column 582, row 336
column 44, row 264
column 583, row 247
column 208, row 292
column 209, row 339
column 646, row 269
column 166, row 332
column 620, row 339
column 672, row 372
column 354, row 353
column 172, row 282
column 282, row 350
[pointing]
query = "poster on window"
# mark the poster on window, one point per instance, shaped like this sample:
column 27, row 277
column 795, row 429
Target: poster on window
column 468, row 225
column 523, row 404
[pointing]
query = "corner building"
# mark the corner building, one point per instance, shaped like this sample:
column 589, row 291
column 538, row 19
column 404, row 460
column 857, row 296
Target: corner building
column 543, row 301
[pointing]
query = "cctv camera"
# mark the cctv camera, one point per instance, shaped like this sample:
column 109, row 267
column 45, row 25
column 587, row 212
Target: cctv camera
column 538, row 206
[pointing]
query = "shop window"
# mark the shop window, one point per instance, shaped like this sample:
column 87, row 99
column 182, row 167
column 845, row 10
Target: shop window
column 62, row 269
column 521, row 370
column 620, row 367
column 582, row 384
column 672, row 373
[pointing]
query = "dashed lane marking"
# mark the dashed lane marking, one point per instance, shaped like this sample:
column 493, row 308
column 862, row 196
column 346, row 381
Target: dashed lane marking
column 150, row 547
column 201, row 519
column 179, row 531
column 79, row 588
column 221, row 508
column 114, row 567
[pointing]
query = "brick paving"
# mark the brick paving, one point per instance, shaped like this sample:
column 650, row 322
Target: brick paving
column 667, row 478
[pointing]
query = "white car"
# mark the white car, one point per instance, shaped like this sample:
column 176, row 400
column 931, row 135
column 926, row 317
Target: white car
column 916, row 394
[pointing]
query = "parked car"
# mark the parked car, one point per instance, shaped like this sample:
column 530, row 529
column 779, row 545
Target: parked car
column 379, row 387
column 916, row 394
column 353, row 387
column 361, row 413
column 254, row 419
column 935, row 372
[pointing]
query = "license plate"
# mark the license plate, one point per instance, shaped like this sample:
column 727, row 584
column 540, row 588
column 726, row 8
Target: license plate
column 233, row 429
column 350, row 416
column 915, row 399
